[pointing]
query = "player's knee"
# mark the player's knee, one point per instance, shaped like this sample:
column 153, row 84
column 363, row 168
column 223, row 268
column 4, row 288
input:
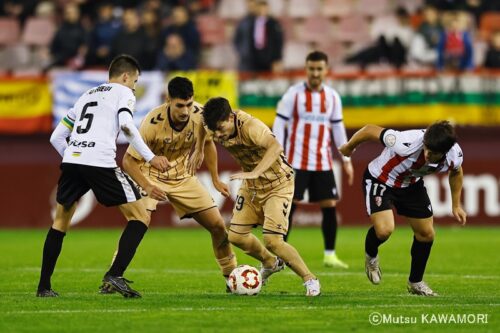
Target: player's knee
column 273, row 242
column 425, row 235
column 384, row 232
column 218, row 231
column 237, row 238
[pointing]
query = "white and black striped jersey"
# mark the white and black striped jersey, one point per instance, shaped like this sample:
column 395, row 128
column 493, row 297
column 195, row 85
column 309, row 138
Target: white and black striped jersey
column 311, row 118
column 94, row 125
column 402, row 162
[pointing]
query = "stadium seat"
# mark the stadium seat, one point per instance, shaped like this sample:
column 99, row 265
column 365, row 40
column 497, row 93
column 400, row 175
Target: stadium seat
column 294, row 55
column 212, row 29
column 337, row 8
column 353, row 28
column 288, row 25
column 372, row 8
column 222, row 56
column 38, row 31
column 299, row 9
column 9, row 31
column 315, row 30
column 232, row 9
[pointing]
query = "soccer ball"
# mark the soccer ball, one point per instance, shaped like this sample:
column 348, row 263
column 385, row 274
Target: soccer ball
column 245, row 280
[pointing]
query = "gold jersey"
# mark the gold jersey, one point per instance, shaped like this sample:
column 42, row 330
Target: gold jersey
column 247, row 146
column 161, row 136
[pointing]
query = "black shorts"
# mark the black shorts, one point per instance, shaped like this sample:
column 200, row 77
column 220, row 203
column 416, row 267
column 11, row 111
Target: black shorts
column 411, row 201
column 110, row 185
column 320, row 185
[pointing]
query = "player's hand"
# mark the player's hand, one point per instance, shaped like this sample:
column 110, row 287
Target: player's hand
column 460, row 214
column 346, row 150
column 221, row 187
column 154, row 192
column 160, row 162
column 195, row 160
column 349, row 170
column 244, row 175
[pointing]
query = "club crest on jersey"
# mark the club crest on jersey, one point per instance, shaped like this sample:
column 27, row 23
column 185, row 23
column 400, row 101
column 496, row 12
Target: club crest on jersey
column 189, row 136
column 390, row 140
column 378, row 201
column 168, row 140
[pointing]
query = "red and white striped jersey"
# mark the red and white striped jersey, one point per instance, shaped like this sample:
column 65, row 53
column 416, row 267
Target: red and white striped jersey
column 402, row 162
column 311, row 118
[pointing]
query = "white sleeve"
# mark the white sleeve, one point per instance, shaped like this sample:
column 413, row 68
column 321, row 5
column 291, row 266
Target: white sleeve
column 59, row 136
column 338, row 128
column 403, row 143
column 279, row 129
column 133, row 136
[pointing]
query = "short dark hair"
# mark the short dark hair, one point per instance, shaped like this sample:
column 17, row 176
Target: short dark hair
column 180, row 87
column 317, row 56
column 123, row 63
column 215, row 110
column 440, row 137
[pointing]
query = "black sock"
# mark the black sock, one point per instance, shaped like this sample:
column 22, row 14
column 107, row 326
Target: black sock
column 290, row 218
column 129, row 241
column 372, row 242
column 329, row 227
column 420, row 252
column 51, row 251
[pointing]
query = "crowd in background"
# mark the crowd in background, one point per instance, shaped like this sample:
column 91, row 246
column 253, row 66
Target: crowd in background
column 256, row 35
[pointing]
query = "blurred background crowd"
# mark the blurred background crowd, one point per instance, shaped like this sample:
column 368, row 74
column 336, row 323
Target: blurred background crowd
column 249, row 35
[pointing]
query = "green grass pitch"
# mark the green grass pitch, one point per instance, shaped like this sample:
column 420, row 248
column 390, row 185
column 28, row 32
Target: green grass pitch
column 184, row 292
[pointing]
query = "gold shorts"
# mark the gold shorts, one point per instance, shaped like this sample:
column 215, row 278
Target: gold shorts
column 187, row 196
column 269, row 208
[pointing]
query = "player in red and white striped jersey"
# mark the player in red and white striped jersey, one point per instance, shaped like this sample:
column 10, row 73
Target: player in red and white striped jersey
column 311, row 112
column 394, row 178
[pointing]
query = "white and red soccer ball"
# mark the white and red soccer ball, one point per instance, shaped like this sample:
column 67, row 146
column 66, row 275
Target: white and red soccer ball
column 245, row 280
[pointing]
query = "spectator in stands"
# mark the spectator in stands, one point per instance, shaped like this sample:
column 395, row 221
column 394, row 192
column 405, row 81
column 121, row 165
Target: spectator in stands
column 69, row 46
column 493, row 54
column 182, row 25
column 174, row 55
column 259, row 39
column 152, row 27
column 102, row 35
column 423, row 47
column 19, row 9
column 392, row 36
column 131, row 39
column 455, row 49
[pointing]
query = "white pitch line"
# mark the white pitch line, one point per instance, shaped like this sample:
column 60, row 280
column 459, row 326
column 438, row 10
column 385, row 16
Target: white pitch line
column 259, row 308
column 210, row 271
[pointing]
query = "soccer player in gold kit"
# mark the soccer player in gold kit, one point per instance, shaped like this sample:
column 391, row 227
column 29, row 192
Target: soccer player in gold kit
column 266, row 194
column 171, row 130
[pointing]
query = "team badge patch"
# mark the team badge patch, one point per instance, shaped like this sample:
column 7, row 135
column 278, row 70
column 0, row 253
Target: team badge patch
column 390, row 140
column 378, row 201
column 131, row 104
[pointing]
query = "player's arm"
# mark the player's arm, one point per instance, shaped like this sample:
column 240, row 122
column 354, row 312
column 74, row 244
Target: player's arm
column 197, row 156
column 132, row 166
column 62, row 132
column 212, row 166
column 340, row 138
column 273, row 151
column 134, row 138
column 367, row 133
column 455, row 178
column 283, row 114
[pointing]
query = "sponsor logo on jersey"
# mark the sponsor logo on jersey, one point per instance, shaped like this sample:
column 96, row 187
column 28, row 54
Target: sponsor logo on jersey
column 378, row 201
column 81, row 144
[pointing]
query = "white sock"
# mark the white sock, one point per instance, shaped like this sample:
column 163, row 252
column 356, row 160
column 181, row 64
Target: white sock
column 329, row 252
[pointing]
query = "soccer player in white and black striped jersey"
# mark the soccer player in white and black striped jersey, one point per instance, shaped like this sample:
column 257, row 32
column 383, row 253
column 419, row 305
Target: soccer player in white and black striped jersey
column 311, row 111
column 394, row 179
column 86, row 139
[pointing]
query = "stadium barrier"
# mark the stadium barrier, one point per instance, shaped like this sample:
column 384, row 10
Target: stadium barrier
column 29, row 173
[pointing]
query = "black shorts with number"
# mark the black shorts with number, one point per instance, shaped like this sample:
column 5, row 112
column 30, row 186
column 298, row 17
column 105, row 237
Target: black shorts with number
column 320, row 185
column 110, row 185
column 411, row 201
